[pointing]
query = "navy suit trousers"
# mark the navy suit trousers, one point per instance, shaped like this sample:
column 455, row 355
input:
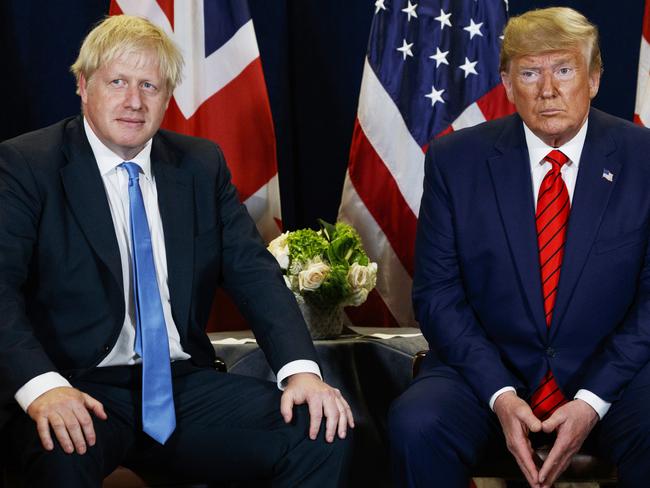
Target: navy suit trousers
column 440, row 430
column 229, row 427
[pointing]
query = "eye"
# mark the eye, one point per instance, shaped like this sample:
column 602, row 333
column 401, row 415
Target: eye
column 148, row 86
column 529, row 76
column 118, row 82
column 564, row 72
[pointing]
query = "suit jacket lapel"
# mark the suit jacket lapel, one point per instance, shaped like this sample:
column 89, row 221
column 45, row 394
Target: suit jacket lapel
column 176, row 203
column 510, row 172
column 86, row 195
column 590, row 200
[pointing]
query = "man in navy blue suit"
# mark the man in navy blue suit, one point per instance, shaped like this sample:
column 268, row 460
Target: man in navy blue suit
column 532, row 281
column 114, row 235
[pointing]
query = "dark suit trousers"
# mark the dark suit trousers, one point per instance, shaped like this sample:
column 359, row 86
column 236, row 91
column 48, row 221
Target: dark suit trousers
column 439, row 430
column 229, row 427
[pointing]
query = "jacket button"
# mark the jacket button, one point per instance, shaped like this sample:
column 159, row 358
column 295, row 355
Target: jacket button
column 550, row 352
column 107, row 348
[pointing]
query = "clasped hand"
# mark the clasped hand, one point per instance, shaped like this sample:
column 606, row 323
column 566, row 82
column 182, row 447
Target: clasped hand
column 322, row 400
column 572, row 423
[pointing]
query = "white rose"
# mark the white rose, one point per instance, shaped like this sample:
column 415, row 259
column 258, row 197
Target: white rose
column 279, row 247
column 357, row 298
column 362, row 277
column 313, row 276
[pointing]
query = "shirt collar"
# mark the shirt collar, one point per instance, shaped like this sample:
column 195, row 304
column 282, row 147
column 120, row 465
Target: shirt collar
column 538, row 149
column 107, row 160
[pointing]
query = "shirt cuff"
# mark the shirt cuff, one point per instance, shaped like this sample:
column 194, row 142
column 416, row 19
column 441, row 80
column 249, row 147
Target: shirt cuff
column 38, row 385
column 298, row 366
column 494, row 397
column 594, row 401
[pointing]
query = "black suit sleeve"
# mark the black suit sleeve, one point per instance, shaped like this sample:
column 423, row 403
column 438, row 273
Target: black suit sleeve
column 21, row 354
column 254, row 280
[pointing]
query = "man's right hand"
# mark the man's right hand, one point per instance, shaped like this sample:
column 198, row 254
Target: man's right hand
column 517, row 420
column 67, row 411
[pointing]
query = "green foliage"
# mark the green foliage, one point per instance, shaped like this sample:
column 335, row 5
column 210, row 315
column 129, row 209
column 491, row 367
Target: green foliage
column 317, row 264
column 305, row 244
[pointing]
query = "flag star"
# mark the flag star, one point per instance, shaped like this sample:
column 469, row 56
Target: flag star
column 474, row 29
column 443, row 18
column 440, row 57
column 435, row 95
column 379, row 5
column 406, row 49
column 468, row 67
column 410, row 10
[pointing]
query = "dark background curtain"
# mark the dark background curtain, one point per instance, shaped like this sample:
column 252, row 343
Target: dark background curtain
column 312, row 52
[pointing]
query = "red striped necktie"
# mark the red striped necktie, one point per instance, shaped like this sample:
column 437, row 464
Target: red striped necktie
column 551, row 219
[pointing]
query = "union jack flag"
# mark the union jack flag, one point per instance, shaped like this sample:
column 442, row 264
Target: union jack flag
column 222, row 96
column 432, row 67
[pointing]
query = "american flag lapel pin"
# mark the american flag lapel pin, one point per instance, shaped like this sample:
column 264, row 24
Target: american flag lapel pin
column 608, row 175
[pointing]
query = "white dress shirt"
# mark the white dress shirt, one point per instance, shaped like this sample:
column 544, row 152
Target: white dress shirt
column 537, row 151
column 115, row 179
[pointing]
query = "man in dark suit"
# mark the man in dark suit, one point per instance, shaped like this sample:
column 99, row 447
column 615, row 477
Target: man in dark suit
column 113, row 238
column 532, row 276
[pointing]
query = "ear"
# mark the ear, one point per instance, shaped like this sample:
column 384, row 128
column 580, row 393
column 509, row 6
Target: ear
column 594, row 83
column 507, row 84
column 83, row 88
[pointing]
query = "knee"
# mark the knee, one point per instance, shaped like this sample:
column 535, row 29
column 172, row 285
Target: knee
column 410, row 426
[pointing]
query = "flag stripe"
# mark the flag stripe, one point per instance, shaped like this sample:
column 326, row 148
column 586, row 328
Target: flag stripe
column 384, row 127
column 382, row 198
column 642, row 105
column 397, row 299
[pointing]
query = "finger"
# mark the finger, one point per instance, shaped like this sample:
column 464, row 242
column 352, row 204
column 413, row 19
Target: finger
column 553, row 422
column 342, row 426
column 286, row 406
column 529, row 419
column 43, row 429
column 551, row 468
column 348, row 411
column 315, row 416
column 525, row 461
column 523, row 453
column 332, row 416
column 86, row 424
column 74, row 431
column 61, row 433
column 95, row 406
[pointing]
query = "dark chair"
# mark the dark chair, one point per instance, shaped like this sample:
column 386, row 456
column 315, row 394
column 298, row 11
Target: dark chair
column 583, row 468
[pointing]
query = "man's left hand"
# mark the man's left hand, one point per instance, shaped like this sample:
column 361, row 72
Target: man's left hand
column 572, row 421
column 321, row 399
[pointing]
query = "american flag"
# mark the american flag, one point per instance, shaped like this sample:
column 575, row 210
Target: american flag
column 432, row 67
column 642, row 105
column 222, row 96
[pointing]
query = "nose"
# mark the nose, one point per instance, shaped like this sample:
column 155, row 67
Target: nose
column 547, row 85
column 132, row 99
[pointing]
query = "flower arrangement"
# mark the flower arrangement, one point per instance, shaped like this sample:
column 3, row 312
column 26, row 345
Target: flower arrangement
column 325, row 268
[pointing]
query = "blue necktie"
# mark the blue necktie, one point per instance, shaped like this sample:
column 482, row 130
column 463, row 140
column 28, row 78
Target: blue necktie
column 151, row 342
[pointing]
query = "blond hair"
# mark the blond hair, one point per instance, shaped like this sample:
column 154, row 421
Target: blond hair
column 122, row 34
column 550, row 29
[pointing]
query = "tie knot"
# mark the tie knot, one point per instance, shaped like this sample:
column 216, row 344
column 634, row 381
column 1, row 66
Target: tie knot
column 133, row 169
column 556, row 158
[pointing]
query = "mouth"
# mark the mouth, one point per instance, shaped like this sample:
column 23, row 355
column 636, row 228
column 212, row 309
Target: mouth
column 550, row 112
column 130, row 122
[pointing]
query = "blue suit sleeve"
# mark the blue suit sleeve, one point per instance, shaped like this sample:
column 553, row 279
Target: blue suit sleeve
column 445, row 316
